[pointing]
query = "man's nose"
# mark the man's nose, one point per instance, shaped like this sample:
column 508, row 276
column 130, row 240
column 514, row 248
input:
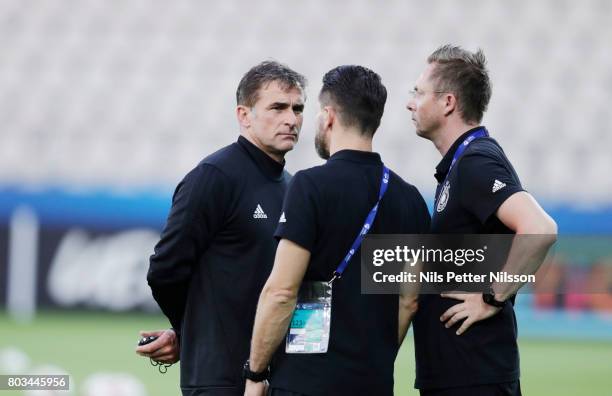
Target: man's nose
column 291, row 119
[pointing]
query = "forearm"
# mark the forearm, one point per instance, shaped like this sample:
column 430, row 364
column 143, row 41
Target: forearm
column 274, row 312
column 526, row 255
column 168, row 277
column 408, row 301
column 535, row 232
column 197, row 214
column 407, row 309
column 172, row 301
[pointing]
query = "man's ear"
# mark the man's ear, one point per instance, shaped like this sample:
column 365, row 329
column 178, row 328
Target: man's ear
column 450, row 103
column 329, row 117
column 243, row 114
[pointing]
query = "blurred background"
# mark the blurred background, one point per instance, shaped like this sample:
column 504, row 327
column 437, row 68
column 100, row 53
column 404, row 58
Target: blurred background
column 105, row 105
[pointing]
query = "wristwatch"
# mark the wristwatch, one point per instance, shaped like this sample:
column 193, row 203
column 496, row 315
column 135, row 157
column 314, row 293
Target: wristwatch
column 489, row 298
column 253, row 376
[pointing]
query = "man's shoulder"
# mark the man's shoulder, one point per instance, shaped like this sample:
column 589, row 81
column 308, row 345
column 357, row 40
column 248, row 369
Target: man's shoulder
column 227, row 161
column 486, row 147
column 397, row 179
column 306, row 177
column 327, row 179
column 314, row 172
column 321, row 177
column 217, row 167
column 225, row 158
column 404, row 189
column 481, row 155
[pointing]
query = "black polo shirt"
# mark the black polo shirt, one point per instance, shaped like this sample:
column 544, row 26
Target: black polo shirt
column 324, row 210
column 477, row 185
column 213, row 258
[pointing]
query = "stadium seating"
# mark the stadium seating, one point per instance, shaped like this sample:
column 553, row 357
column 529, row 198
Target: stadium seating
column 133, row 93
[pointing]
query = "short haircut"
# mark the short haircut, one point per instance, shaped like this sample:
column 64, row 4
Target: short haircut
column 465, row 75
column 359, row 95
column 262, row 74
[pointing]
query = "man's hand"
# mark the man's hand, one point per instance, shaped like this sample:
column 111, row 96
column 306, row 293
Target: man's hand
column 471, row 310
column 255, row 388
column 163, row 350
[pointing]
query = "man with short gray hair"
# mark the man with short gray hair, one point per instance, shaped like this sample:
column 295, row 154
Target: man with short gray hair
column 217, row 247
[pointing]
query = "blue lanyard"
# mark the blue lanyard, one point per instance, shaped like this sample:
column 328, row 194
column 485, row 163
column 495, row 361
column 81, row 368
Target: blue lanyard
column 384, row 183
column 479, row 133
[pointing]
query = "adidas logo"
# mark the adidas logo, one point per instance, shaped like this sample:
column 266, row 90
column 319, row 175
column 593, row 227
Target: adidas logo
column 259, row 213
column 282, row 218
column 498, row 186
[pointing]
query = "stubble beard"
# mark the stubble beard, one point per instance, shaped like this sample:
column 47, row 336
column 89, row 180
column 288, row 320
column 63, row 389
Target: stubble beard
column 321, row 146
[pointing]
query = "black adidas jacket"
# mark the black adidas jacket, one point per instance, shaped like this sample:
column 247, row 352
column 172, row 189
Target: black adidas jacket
column 214, row 256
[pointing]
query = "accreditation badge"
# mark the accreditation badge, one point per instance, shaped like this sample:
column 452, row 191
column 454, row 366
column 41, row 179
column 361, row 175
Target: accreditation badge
column 310, row 324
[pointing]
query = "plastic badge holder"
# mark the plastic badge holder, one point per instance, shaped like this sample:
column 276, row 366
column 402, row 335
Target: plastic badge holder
column 311, row 320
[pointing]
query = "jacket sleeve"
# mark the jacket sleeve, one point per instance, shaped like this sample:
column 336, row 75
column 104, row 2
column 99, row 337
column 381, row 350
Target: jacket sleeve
column 198, row 212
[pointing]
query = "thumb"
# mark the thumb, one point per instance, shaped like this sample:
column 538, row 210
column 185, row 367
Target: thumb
column 147, row 333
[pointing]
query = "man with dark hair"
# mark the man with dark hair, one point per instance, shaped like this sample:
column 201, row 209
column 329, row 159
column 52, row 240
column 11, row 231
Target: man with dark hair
column 217, row 247
column 478, row 193
column 345, row 345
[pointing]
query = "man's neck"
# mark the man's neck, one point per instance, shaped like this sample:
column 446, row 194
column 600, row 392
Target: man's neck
column 446, row 137
column 349, row 140
column 276, row 156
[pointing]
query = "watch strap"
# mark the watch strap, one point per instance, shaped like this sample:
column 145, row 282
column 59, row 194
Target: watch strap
column 254, row 376
column 489, row 298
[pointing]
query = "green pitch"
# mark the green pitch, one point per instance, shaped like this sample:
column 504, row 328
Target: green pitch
column 85, row 343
